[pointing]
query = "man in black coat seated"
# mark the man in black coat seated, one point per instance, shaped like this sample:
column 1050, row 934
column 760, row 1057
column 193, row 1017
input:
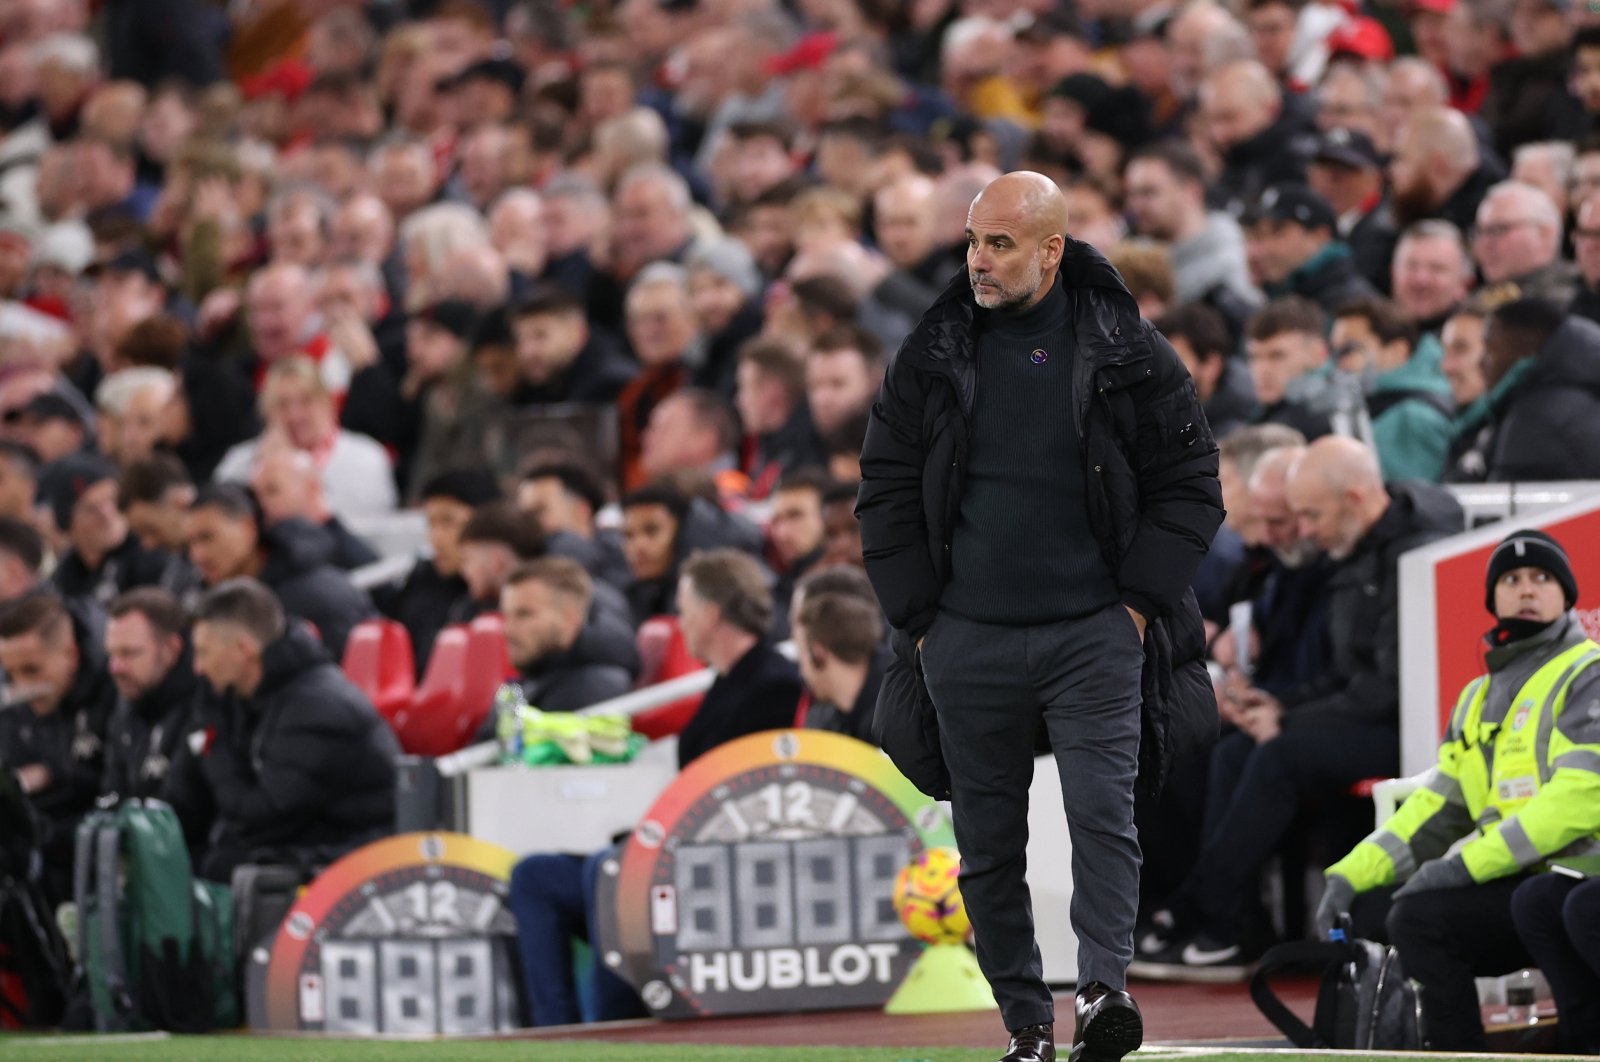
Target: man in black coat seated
column 564, row 495
column 104, row 558
column 300, row 766
column 566, row 658
column 842, row 654
column 148, row 658
column 52, row 733
column 726, row 609
column 228, row 538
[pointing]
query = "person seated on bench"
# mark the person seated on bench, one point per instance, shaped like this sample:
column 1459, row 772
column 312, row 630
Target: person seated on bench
column 1518, row 780
column 300, row 766
column 1558, row 919
column 566, row 659
column 838, row 638
column 52, row 730
column 725, row 606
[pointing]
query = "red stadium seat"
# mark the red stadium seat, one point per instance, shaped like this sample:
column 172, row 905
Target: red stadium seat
column 488, row 665
column 378, row 660
column 661, row 644
column 428, row 725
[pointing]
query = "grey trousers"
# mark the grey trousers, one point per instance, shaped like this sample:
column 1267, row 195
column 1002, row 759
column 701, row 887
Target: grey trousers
column 992, row 687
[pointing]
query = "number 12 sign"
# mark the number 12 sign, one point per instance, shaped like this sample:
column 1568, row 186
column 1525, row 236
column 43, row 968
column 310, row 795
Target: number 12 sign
column 761, row 880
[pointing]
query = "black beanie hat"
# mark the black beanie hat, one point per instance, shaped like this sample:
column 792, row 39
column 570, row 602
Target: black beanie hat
column 1530, row 549
column 64, row 481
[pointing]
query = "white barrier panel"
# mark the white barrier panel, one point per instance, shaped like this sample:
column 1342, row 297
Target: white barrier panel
column 1443, row 619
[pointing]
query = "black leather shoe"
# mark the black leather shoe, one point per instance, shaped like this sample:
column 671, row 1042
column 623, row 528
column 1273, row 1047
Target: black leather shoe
column 1032, row 1043
column 1109, row 1025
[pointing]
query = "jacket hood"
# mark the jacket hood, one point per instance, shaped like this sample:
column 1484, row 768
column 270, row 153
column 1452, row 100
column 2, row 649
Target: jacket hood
column 291, row 656
column 294, row 546
column 1421, row 371
column 1570, row 357
column 1416, row 507
column 603, row 642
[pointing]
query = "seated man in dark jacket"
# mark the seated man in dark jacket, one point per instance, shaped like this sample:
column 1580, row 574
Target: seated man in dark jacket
column 726, row 609
column 228, row 538
column 104, row 558
column 560, row 358
column 564, row 495
column 842, row 654
column 299, row 764
column 52, row 734
column 566, row 658
column 1331, row 732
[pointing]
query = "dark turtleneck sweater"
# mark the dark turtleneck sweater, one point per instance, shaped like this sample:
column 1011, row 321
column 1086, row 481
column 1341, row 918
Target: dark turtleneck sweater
column 1022, row 552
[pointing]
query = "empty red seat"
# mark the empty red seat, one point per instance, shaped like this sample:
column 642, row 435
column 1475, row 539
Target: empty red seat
column 427, row 726
column 378, row 660
column 488, row 666
column 660, row 641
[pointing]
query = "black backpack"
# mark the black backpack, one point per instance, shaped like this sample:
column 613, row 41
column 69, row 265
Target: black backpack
column 1365, row 1003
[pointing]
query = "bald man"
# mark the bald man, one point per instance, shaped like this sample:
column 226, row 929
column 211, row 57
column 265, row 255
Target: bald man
column 1263, row 145
column 1313, row 741
column 1437, row 170
column 1027, row 539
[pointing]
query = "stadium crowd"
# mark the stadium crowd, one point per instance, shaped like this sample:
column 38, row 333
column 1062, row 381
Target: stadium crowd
column 606, row 290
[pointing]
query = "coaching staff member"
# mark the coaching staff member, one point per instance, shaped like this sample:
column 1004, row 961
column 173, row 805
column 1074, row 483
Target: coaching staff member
column 1038, row 486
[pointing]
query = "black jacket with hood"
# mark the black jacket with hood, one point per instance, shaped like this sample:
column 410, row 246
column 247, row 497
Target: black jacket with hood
column 304, row 767
column 299, row 569
column 146, row 735
column 1546, row 425
column 1152, row 492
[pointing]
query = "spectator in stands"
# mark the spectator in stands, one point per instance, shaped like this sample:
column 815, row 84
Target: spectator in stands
column 1293, row 250
column 693, row 429
column 1330, row 733
column 652, row 525
column 564, row 495
column 1586, row 249
column 771, row 399
column 1407, row 396
column 1540, row 418
column 725, row 610
column 1536, row 805
column 229, row 539
column 53, row 733
column 434, row 590
column 843, row 369
column 1462, row 363
column 1200, row 336
column 1436, row 170
column 21, row 559
column 564, row 660
column 357, row 475
column 1166, row 190
column 1347, row 171
column 148, row 659
column 725, row 286
column 494, row 540
column 1243, row 116
column 1146, row 268
column 1529, row 98
column 1517, row 241
column 1556, row 915
column 52, row 425
column 456, row 416
column 841, row 529
column 561, row 358
column 300, row 766
column 19, row 479
column 839, row 641
column 286, row 484
column 154, row 496
column 133, row 405
column 1286, row 345
column 280, row 304
column 103, row 557
column 665, row 338
column 1432, row 272
column 798, row 536
column 650, row 212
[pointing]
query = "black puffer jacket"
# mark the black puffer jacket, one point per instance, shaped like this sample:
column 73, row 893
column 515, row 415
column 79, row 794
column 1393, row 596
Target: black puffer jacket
column 303, row 765
column 1543, row 427
column 299, row 569
column 145, row 735
column 1154, row 502
column 1361, row 683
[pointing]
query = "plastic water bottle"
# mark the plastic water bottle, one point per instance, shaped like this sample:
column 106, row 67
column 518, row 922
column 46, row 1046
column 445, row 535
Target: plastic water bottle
column 508, row 704
column 1522, row 999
